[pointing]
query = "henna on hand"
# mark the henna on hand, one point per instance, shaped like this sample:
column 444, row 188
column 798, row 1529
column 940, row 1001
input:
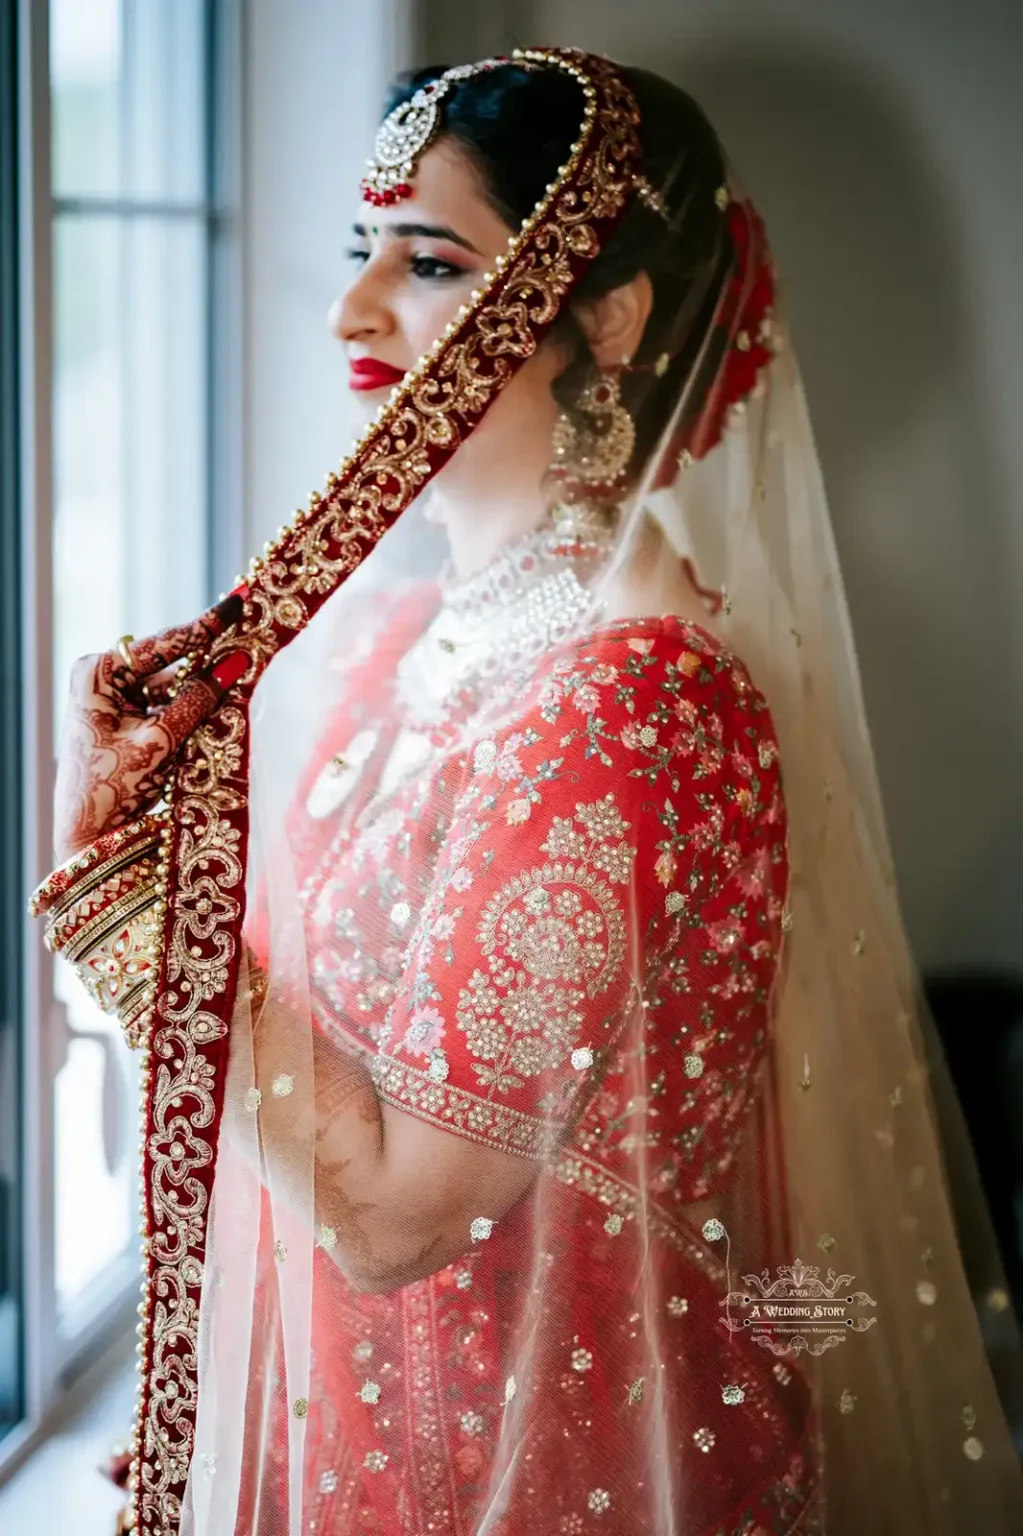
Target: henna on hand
column 119, row 743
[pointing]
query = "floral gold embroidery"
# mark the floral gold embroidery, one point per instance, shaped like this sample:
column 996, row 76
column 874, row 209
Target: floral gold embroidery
column 553, row 937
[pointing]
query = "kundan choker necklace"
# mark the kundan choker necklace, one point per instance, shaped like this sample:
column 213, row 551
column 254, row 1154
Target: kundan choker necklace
column 495, row 626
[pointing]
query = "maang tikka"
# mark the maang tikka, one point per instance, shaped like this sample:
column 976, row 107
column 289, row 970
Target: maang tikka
column 410, row 127
column 406, row 132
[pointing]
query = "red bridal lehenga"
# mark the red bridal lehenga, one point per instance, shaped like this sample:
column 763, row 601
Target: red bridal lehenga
column 591, row 887
column 626, row 752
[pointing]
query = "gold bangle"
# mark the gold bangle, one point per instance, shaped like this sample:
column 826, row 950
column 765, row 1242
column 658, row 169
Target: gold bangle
column 102, row 916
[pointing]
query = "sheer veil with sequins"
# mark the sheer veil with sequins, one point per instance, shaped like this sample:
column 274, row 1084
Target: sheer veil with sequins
column 610, row 893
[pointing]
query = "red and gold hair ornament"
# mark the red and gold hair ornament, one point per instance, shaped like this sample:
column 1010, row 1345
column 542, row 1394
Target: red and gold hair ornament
column 744, row 316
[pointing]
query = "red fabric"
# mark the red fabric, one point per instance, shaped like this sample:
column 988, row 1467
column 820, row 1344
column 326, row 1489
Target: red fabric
column 653, row 715
column 743, row 315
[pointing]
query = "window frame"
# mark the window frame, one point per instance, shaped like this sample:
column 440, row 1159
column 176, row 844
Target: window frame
column 12, row 1295
column 53, row 1360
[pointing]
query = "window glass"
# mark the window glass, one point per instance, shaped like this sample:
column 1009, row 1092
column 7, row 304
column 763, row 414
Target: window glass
column 131, row 260
column 128, row 98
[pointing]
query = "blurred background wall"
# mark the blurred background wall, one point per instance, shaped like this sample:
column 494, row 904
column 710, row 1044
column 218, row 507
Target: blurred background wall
column 882, row 143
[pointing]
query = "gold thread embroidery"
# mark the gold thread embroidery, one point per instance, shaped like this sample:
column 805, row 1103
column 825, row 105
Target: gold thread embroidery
column 455, row 1109
column 552, row 937
column 177, row 1086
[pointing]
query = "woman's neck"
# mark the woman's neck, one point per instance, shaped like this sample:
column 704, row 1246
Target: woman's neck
column 653, row 582
column 481, row 521
column 479, row 528
column 492, row 492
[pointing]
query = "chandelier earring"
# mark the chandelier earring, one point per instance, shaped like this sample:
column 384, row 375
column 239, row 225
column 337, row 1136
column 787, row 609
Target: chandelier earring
column 592, row 448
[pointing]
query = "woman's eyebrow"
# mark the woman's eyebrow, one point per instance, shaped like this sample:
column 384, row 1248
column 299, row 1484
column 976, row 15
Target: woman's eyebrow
column 423, row 231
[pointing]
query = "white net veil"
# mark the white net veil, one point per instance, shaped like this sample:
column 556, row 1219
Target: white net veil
column 579, row 1167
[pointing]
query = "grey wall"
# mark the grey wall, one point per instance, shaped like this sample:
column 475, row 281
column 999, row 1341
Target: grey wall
column 882, row 142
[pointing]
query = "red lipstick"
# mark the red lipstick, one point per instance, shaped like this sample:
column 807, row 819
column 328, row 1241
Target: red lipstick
column 368, row 373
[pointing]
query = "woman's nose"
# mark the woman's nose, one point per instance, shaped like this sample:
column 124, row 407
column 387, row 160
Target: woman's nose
column 358, row 314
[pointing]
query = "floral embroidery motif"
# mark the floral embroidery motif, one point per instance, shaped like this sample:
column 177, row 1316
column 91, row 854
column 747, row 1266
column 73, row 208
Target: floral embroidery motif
column 553, row 937
column 425, row 1032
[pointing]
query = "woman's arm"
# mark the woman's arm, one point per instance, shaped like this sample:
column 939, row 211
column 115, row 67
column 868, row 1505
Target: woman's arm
column 398, row 1195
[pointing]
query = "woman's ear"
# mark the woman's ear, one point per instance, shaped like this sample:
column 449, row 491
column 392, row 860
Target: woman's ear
column 614, row 324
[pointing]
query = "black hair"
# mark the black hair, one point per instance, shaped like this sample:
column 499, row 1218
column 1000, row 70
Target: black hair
column 517, row 126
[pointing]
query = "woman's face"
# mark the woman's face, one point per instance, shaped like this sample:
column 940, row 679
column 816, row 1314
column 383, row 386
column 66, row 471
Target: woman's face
column 414, row 264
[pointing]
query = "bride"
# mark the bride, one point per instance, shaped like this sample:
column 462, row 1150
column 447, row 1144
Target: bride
column 539, row 1124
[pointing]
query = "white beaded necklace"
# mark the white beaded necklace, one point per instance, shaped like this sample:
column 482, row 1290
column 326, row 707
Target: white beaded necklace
column 496, row 625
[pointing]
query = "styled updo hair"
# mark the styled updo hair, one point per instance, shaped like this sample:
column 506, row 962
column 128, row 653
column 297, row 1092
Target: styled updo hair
column 518, row 124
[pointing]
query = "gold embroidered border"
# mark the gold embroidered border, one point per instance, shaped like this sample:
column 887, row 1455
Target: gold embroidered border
column 180, row 1084
column 455, row 1109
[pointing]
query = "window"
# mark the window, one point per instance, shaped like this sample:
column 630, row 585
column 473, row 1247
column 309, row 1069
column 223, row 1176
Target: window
column 129, row 340
column 130, row 421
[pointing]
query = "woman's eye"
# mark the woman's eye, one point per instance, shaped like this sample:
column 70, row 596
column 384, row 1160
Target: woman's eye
column 354, row 255
column 431, row 267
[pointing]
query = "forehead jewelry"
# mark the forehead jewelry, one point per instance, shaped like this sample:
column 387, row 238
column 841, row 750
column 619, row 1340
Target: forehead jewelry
column 406, row 132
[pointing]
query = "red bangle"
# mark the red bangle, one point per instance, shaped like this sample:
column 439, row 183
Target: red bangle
column 94, row 863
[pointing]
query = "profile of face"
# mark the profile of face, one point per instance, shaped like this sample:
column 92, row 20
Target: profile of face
column 415, row 263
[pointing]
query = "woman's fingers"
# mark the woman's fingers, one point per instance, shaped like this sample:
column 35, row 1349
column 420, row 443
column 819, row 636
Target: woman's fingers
column 108, row 683
column 170, row 645
column 194, row 702
column 159, row 689
column 105, row 684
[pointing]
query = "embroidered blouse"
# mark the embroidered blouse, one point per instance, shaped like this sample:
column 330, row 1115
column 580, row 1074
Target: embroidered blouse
column 558, row 938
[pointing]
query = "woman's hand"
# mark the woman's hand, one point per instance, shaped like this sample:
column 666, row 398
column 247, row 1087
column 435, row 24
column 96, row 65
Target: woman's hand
column 122, row 733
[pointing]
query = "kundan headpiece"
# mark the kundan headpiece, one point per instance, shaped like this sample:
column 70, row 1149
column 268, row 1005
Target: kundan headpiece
column 409, row 129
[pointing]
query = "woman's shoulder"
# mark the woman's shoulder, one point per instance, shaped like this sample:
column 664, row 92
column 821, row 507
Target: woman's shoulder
column 652, row 725
column 645, row 664
column 640, row 705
